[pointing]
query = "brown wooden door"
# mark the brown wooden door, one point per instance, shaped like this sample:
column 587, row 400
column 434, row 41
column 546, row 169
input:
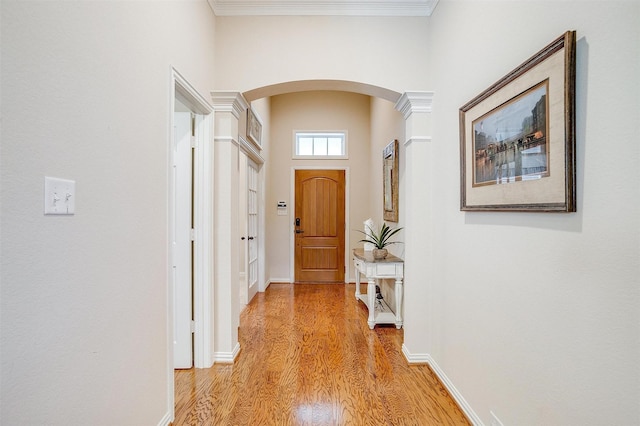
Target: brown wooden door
column 319, row 212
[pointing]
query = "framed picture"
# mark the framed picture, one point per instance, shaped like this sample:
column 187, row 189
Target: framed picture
column 517, row 138
column 254, row 128
column 390, row 174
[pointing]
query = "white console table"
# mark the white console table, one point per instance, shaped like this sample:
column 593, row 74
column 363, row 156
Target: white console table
column 391, row 267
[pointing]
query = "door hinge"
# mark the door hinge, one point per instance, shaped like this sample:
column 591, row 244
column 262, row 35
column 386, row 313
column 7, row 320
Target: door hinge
column 193, row 326
column 193, row 142
column 192, row 234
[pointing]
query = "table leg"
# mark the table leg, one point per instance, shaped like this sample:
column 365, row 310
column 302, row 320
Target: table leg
column 357, row 284
column 371, row 297
column 399, row 293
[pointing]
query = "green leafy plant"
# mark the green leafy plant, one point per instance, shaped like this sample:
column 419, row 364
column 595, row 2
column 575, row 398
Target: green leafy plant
column 380, row 238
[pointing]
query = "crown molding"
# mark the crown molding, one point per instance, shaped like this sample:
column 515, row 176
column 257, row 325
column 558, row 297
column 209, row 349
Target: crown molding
column 232, row 102
column 323, row 8
column 411, row 102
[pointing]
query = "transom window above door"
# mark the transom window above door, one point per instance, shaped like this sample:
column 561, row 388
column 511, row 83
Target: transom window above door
column 320, row 145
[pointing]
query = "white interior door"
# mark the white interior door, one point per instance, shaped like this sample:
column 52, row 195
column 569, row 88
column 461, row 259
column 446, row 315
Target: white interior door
column 183, row 243
column 252, row 228
column 244, row 230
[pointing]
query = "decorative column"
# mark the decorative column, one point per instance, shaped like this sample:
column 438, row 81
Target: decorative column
column 228, row 108
column 416, row 108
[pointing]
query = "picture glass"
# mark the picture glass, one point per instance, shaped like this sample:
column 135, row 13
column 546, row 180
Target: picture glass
column 390, row 184
column 510, row 142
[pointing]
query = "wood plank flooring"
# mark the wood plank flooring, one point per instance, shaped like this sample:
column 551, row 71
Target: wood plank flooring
column 308, row 358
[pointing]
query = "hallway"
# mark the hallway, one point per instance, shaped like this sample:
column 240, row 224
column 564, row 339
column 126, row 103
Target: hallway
column 309, row 358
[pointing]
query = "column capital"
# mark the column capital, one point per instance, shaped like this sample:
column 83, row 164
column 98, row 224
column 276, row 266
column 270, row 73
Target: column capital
column 411, row 102
column 233, row 102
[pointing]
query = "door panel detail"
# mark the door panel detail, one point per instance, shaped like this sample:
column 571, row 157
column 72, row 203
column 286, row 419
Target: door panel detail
column 319, row 225
column 253, row 220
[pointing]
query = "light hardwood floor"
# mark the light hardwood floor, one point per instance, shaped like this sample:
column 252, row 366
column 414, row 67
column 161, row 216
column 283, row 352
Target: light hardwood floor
column 308, row 358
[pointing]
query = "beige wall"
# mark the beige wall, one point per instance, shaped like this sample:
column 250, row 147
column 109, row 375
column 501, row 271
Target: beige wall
column 314, row 111
column 387, row 124
column 536, row 317
column 85, row 96
column 370, row 124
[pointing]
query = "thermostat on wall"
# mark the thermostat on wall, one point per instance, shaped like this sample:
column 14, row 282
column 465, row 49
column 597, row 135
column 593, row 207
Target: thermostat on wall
column 282, row 208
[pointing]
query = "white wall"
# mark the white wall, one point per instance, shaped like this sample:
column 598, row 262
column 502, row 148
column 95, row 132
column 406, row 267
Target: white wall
column 85, row 96
column 261, row 51
column 536, row 316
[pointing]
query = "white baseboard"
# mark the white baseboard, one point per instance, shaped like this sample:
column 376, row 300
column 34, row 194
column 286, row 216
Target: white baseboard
column 415, row 358
column 453, row 391
column 166, row 420
column 226, row 357
column 289, row 281
column 278, row 280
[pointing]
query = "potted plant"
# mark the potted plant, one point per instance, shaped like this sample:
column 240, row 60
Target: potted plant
column 380, row 239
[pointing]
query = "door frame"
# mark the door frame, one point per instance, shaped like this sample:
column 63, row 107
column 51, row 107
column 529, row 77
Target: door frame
column 292, row 213
column 180, row 88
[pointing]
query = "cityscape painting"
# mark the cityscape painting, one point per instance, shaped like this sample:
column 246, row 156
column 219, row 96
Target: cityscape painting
column 510, row 142
column 518, row 136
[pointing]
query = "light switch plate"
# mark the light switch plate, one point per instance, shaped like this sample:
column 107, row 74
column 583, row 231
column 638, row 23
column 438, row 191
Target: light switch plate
column 59, row 196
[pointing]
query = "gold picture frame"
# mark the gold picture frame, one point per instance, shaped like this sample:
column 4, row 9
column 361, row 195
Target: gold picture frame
column 390, row 185
column 517, row 138
column 254, row 128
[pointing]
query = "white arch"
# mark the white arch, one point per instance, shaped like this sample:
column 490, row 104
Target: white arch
column 308, row 85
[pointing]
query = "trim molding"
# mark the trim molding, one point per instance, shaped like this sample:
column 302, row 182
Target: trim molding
column 232, row 102
column 226, row 139
column 165, row 420
column 189, row 95
column 448, row 384
column 415, row 358
column 203, row 243
column 251, row 151
column 411, row 102
column 417, row 139
column 324, row 8
column 227, row 357
column 279, row 281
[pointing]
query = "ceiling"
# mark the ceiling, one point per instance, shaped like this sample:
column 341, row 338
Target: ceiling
column 323, row 7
